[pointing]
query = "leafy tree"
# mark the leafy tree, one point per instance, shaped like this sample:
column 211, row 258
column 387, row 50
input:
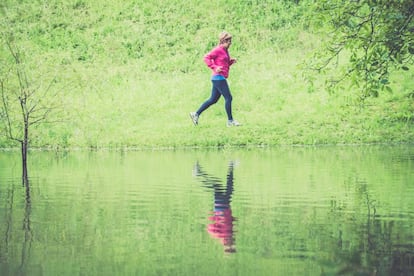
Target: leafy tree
column 24, row 103
column 375, row 35
column 26, row 95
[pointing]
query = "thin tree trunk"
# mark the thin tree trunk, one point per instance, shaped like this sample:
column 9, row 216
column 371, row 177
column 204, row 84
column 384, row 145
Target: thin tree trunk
column 24, row 145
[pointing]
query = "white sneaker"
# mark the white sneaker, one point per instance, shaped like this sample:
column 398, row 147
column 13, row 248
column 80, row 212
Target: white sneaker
column 231, row 123
column 194, row 118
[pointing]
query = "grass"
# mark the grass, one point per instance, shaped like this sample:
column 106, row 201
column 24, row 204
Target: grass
column 270, row 99
column 130, row 73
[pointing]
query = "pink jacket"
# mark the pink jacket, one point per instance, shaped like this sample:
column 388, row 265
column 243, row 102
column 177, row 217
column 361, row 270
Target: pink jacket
column 222, row 226
column 217, row 57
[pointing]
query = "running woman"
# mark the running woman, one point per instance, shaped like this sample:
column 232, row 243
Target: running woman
column 219, row 61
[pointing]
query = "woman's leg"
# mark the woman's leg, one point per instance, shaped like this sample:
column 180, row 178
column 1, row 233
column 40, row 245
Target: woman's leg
column 224, row 90
column 215, row 96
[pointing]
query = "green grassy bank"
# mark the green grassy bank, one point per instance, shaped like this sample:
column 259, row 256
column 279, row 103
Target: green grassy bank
column 128, row 74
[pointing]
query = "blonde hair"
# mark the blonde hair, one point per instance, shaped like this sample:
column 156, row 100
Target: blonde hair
column 223, row 36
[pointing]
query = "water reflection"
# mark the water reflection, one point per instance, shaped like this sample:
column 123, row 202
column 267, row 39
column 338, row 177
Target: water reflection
column 27, row 241
column 221, row 226
column 310, row 212
column 26, row 227
column 375, row 245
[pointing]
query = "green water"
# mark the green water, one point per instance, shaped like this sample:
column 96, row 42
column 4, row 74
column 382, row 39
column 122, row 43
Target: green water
column 283, row 211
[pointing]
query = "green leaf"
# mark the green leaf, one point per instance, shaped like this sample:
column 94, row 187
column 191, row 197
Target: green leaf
column 389, row 89
column 405, row 68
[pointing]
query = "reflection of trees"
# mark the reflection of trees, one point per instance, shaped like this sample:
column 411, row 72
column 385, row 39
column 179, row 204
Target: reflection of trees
column 372, row 247
column 221, row 226
column 5, row 257
column 4, row 248
column 27, row 242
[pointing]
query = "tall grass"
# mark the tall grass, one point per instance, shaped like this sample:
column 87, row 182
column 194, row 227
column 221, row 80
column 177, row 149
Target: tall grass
column 132, row 71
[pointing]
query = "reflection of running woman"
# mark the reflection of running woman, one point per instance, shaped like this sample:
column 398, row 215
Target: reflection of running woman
column 221, row 226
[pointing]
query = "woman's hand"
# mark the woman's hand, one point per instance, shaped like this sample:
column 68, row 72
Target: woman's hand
column 218, row 69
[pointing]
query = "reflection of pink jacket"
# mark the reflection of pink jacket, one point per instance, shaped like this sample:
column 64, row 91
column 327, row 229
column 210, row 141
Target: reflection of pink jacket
column 219, row 57
column 222, row 226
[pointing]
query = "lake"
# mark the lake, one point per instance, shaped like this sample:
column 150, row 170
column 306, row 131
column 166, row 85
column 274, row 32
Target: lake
column 340, row 210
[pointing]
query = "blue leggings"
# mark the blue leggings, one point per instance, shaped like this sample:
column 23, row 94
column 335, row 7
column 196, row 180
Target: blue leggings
column 220, row 87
